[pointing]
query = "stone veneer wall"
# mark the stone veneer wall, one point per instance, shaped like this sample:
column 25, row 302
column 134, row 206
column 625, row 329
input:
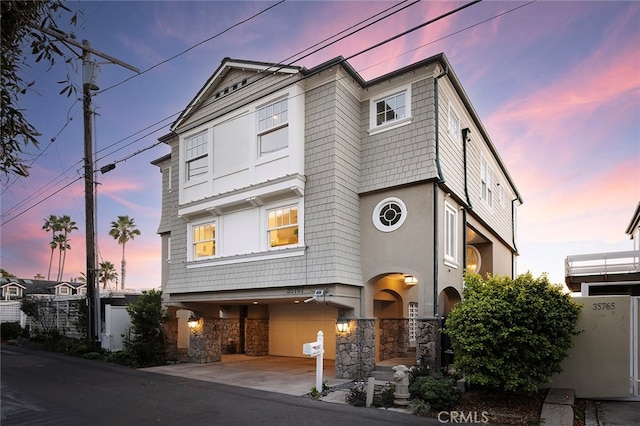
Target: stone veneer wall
column 231, row 336
column 171, row 338
column 355, row 350
column 256, row 337
column 427, row 334
column 205, row 342
column 394, row 338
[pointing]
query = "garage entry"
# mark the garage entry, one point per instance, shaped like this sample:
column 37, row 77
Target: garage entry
column 292, row 325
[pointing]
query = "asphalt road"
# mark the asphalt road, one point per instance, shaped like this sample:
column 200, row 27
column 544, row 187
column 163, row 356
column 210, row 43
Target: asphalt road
column 44, row 388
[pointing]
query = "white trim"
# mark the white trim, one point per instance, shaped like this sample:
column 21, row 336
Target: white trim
column 209, row 220
column 251, row 257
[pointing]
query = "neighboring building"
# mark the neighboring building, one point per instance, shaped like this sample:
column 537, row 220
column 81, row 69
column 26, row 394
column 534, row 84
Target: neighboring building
column 599, row 274
column 366, row 199
column 604, row 361
column 16, row 288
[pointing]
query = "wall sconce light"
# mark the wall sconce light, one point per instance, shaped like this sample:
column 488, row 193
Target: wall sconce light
column 192, row 322
column 410, row 280
column 342, row 324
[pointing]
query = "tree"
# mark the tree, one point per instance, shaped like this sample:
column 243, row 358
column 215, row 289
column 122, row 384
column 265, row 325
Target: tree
column 123, row 230
column 42, row 310
column 6, row 274
column 19, row 22
column 511, row 334
column 106, row 273
column 146, row 345
column 66, row 227
column 52, row 224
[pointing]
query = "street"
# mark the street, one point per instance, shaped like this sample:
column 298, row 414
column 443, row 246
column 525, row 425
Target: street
column 45, row 388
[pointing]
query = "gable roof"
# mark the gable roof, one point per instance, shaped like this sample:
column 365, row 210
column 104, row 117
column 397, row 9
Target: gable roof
column 226, row 65
column 38, row 286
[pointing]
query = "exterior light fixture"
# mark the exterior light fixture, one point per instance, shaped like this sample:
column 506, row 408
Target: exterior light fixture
column 193, row 322
column 342, row 324
column 410, row 280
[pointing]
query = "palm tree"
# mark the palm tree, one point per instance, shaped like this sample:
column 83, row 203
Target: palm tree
column 107, row 272
column 51, row 224
column 123, row 230
column 66, row 227
column 62, row 245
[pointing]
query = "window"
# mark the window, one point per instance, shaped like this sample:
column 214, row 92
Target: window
column 204, row 240
column 283, row 226
column 82, row 291
column 413, row 315
column 391, row 108
column 454, row 125
column 63, row 290
column 486, row 179
column 11, row 292
column 389, row 214
column 474, row 261
column 272, row 127
column 450, row 232
column 196, row 156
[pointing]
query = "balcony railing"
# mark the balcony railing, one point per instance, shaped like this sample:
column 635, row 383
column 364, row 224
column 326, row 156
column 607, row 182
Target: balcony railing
column 619, row 262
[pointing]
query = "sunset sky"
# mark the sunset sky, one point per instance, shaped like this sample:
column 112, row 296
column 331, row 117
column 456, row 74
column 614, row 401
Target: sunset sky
column 556, row 84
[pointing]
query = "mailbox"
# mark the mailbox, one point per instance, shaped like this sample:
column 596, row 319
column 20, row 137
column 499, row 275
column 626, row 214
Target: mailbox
column 312, row 349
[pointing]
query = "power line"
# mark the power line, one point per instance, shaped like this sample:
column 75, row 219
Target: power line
column 192, row 47
column 195, row 45
column 305, row 77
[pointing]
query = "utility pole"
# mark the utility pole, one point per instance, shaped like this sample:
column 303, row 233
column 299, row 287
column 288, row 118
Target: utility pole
column 89, row 69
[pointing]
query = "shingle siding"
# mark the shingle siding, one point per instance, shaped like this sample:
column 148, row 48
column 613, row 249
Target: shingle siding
column 403, row 155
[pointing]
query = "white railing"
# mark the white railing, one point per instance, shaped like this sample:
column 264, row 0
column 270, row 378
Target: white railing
column 619, row 262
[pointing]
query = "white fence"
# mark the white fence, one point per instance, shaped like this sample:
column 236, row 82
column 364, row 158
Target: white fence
column 620, row 262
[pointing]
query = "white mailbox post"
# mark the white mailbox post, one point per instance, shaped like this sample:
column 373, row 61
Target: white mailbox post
column 316, row 349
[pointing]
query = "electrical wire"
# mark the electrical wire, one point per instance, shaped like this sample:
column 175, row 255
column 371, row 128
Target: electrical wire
column 302, row 78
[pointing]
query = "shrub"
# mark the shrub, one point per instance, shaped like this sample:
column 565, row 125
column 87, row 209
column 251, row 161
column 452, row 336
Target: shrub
column 419, row 407
column 357, row 396
column 10, row 330
column 146, row 345
column 438, row 391
column 511, row 334
column 120, row 358
column 92, row 355
column 385, row 397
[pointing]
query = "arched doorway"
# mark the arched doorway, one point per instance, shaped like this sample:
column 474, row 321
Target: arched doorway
column 392, row 338
column 448, row 298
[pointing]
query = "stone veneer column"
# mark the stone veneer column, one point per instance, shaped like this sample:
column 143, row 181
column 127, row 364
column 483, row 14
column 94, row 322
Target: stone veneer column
column 355, row 350
column 231, row 336
column 394, row 338
column 171, row 338
column 256, row 337
column 427, row 335
column 205, row 341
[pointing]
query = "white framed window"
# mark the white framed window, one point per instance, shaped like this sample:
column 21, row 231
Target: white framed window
column 390, row 109
column 203, row 240
column 454, row 125
column 413, row 316
column 12, row 291
column 486, row 181
column 389, row 214
column 64, row 290
column 196, row 156
column 450, row 232
column 82, row 291
column 273, row 134
column 282, row 226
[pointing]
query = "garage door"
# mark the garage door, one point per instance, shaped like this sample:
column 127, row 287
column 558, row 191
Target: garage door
column 290, row 326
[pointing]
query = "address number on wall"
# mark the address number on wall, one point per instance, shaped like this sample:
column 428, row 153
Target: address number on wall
column 604, row 306
column 294, row 290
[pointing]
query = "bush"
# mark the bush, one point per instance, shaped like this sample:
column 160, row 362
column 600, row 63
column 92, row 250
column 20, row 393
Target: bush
column 510, row 334
column 382, row 397
column 146, row 345
column 438, row 391
column 92, row 355
column 10, row 330
column 120, row 358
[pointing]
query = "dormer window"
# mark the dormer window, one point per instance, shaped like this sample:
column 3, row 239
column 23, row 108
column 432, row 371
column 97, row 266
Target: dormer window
column 63, row 290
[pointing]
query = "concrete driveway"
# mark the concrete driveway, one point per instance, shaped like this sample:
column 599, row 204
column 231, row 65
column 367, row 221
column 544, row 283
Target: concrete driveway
column 291, row 376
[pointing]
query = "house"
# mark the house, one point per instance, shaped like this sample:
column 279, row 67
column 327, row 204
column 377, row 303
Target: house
column 16, row 288
column 297, row 200
column 604, row 361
